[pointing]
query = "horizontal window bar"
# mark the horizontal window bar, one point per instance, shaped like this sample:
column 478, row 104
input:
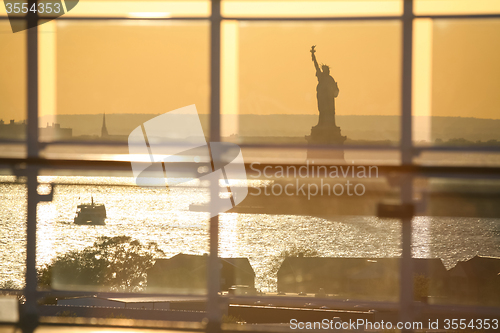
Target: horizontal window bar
column 125, row 165
column 486, row 148
column 295, row 18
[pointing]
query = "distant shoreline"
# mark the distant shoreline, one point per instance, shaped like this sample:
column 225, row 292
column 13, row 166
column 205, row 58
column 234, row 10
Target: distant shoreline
column 258, row 127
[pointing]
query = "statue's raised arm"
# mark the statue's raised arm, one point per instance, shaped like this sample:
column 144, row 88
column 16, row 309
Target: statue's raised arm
column 314, row 59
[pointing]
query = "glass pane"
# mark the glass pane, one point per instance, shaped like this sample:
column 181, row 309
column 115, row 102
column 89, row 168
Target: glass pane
column 269, row 83
column 321, row 8
column 112, row 76
column 13, row 201
column 460, row 225
column 437, row 7
column 291, row 214
column 455, row 100
column 302, row 255
column 12, row 89
column 139, row 9
column 108, row 234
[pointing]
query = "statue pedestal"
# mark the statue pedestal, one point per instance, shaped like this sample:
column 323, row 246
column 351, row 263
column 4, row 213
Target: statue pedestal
column 325, row 135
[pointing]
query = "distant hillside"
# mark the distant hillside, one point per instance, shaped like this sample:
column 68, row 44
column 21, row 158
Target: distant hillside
column 371, row 128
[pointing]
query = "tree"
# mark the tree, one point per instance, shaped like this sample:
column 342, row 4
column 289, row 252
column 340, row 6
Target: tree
column 115, row 263
column 290, row 251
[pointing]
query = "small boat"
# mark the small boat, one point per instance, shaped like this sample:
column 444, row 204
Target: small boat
column 90, row 214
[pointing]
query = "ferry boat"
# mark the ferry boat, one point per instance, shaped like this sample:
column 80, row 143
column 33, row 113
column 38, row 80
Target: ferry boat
column 90, row 214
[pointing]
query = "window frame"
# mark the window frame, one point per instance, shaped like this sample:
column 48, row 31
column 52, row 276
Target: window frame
column 407, row 169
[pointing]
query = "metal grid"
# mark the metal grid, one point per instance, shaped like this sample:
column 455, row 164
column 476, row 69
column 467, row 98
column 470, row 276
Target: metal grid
column 407, row 169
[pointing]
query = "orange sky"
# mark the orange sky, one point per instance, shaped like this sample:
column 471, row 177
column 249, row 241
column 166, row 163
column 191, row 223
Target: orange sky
column 141, row 67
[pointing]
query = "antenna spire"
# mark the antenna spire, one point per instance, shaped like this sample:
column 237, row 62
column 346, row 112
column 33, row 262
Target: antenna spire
column 104, row 130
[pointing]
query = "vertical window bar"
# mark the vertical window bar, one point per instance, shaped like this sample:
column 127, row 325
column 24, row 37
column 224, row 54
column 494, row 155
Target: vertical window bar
column 406, row 120
column 30, row 320
column 215, row 54
column 32, row 57
column 213, row 274
column 406, row 275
